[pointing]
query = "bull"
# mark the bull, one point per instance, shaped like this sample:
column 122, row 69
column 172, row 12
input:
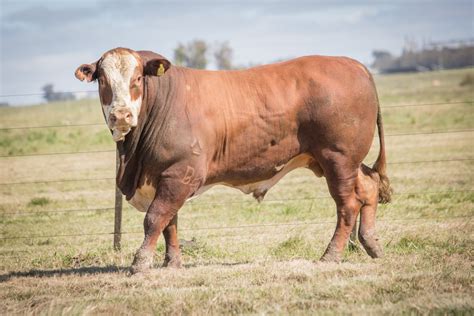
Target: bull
column 180, row 131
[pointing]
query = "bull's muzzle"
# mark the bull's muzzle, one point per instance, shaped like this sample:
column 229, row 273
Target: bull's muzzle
column 120, row 122
column 120, row 118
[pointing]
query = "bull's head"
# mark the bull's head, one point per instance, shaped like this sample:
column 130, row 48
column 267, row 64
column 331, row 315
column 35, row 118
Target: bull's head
column 120, row 73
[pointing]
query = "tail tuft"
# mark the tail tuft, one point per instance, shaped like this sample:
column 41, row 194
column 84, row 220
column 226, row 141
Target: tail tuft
column 385, row 191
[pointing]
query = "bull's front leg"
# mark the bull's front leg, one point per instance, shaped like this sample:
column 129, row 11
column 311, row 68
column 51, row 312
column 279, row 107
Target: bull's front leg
column 170, row 196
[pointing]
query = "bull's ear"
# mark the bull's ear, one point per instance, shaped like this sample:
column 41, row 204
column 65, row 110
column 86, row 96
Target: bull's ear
column 87, row 72
column 156, row 67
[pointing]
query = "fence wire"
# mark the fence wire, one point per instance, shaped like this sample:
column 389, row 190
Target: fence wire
column 113, row 178
column 237, row 236
column 113, row 150
column 226, row 203
column 103, row 124
column 42, row 94
column 322, row 222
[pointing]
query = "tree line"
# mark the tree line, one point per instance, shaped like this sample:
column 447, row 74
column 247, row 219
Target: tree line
column 195, row 54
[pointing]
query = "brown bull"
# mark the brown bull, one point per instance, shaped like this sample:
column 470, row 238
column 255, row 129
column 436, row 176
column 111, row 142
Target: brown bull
column 180, row 131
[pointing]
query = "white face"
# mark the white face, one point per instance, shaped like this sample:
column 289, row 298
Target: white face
column 121, row 112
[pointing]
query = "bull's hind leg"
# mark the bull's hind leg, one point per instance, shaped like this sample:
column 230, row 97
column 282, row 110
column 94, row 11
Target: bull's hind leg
column 173, row 254
column 367, row 189
column 342, row 178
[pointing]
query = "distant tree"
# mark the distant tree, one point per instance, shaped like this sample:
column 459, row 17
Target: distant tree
column 50, row 95
column 382, row 60
column 192, row 54
column 197, row 54
column 223, row 55
column 408, row 59
column 246, row 66
column 48, row 91
column 180, row 55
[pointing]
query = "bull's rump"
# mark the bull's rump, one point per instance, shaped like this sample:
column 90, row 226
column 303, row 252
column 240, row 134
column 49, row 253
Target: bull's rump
column 264, row 116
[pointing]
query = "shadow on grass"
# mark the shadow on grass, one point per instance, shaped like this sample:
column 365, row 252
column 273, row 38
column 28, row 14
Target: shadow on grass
column 61, row 272
column 96, row 270
column 206, row 264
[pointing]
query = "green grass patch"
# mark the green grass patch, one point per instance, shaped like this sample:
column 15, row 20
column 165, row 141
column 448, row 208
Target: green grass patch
column 295, row 247
column 409, row 244
column 39, row 201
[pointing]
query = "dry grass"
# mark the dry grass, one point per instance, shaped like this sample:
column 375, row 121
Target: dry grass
column 250, row 269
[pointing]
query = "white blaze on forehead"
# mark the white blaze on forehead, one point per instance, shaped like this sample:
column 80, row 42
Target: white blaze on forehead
column 119, row 69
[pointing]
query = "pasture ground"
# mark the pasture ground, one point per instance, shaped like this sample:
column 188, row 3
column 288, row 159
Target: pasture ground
column 56, row 252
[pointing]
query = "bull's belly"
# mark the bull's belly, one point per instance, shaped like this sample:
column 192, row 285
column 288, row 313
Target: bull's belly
column 260, row 188
column 144, row 195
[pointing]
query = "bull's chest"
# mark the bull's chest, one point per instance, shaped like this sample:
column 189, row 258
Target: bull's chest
column 143, row 197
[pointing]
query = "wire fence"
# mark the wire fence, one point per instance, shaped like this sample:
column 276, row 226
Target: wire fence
column 42, row 94
column 235, row 232
column 96, row 92
column 113, row 178
column 447, row 131
column 303, row 223
column 102, row 123
column 227, row 202
column 323, row 221
column 52, row 126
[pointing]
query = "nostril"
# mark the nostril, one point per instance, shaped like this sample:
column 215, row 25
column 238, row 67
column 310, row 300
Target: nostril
column 113, row 119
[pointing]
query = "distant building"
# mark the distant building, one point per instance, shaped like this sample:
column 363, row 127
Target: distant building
column 51, row 96
column 433, row 56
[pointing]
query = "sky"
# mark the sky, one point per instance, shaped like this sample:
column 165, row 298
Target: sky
column 44, row 41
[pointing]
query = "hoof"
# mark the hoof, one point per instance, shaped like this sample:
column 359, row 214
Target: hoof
column 175, row 264
column 375, row 252
column 373, row 248
column 142, row 262
column 137, row 269
column 330, row 256
column 172, row 263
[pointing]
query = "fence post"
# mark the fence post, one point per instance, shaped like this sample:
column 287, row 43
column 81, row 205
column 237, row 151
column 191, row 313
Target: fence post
column 118, row 209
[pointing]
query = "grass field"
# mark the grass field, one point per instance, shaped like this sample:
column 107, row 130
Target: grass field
column 241, row 256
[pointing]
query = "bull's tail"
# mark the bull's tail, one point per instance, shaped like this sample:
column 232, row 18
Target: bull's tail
column 380, row 165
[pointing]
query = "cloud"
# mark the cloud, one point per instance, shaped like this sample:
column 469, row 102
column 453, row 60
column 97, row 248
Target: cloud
column 45, row 40
column 42, row 16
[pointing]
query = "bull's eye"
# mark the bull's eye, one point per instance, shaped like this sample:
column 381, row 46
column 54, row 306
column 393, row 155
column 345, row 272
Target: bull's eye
column 139, row 79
